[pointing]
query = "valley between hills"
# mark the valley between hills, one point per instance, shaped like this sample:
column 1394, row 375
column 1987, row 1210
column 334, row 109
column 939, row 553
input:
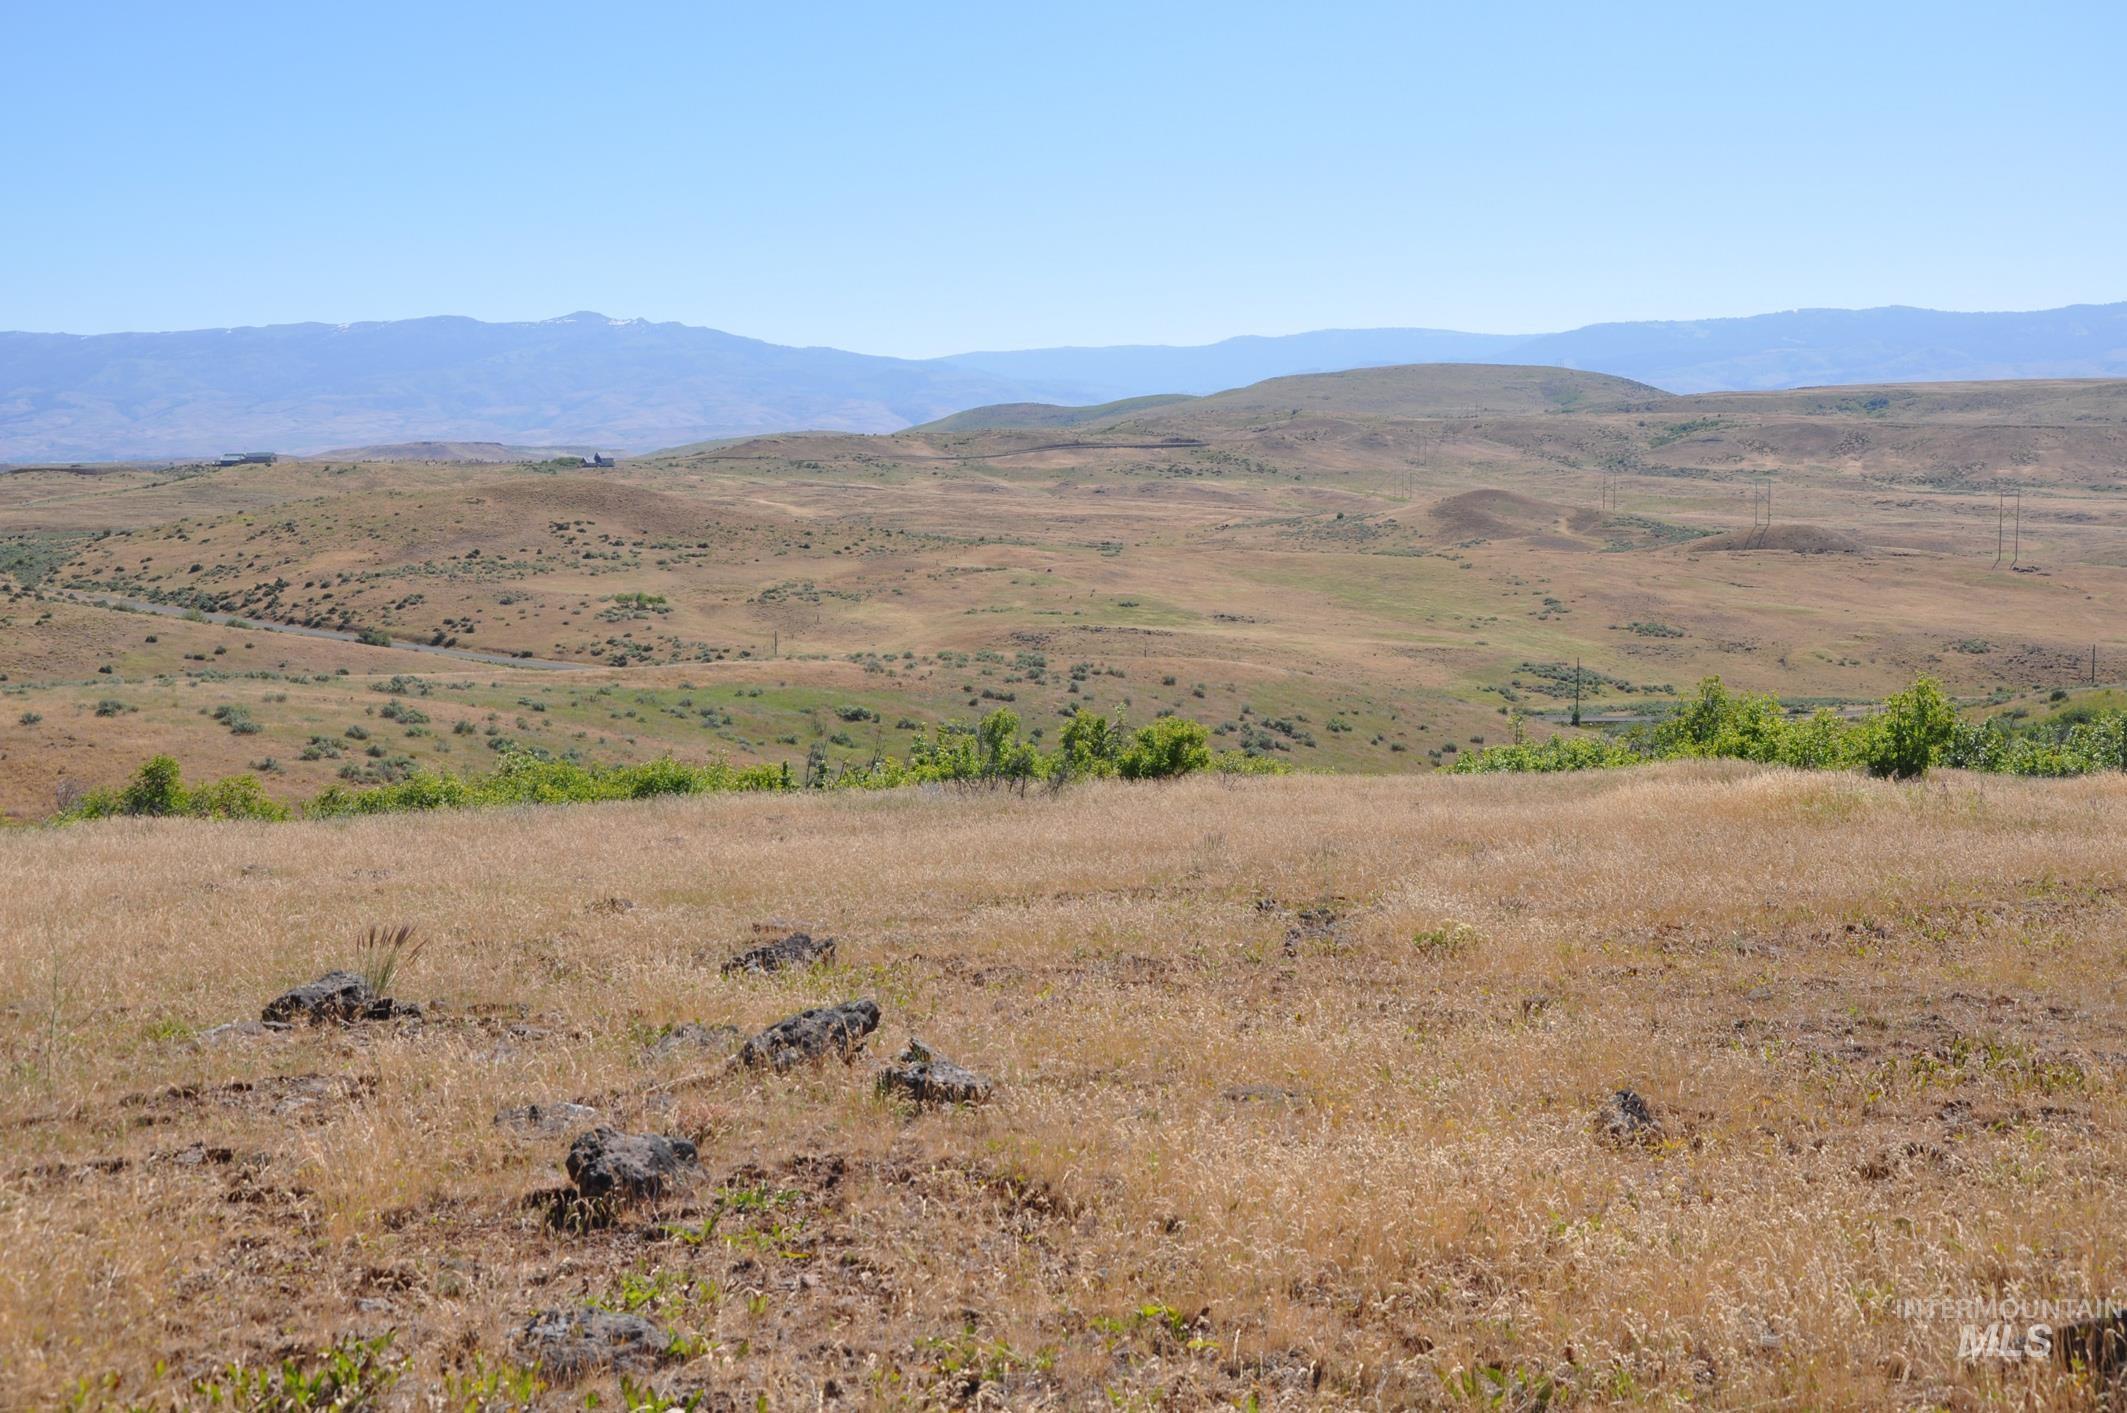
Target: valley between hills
column 1362, row 571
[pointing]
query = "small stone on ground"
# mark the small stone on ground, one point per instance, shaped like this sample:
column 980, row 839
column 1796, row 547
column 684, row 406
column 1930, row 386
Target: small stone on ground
column 929, row 1078
column 799, row 949
column 569, row 1343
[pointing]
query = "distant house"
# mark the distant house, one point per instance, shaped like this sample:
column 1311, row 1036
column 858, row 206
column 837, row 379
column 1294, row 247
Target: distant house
column 246, row 458
column 597, row 458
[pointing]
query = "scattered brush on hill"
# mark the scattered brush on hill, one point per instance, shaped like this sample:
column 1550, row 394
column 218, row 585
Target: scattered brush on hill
column 1915, row 730
column 992, row 754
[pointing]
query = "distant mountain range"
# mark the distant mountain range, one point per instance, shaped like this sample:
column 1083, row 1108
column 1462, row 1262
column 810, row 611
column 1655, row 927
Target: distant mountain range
column 1800, row 348
column 632, row 385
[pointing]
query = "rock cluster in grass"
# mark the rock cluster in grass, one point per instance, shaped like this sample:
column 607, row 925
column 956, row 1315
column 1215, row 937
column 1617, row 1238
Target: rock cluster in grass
column 339, row 996
column 799, row 949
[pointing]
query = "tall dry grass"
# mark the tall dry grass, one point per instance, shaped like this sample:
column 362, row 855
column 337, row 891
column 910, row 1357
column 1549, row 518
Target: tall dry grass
column 1881, row 1027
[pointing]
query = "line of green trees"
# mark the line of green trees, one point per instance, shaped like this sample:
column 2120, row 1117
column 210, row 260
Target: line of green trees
column 990, row 754
column 1913, row 731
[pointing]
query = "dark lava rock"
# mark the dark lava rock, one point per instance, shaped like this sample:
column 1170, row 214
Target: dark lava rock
column 546, row 1120
column 1626, row 1118
column 812, row 1035
column 693, row 1035
column 335, row 996
column 799, row 949
column 2099, row 1345
column 931, row 1079
column 569, row 1343
column 606, row 1164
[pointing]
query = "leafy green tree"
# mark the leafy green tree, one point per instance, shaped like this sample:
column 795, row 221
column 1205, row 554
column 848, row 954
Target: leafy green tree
column 1823, row 742
column 1904, row 739
column 157, row 788
column 1170, row 746
column 1089, row 746
column 1005, row 757
column 1716, row 722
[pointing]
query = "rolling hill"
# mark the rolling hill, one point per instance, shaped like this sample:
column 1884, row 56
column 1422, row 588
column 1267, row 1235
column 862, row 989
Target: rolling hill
column 1794, row 348
column 1355, row 571
column 1424, row 390
column 629, row 384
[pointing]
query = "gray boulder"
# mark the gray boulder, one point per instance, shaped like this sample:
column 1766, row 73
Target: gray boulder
column 929, row 1078
column 799, row 949
column 336, row 996
column 812, row 1035
column 570, row 1343
column 607, row 1165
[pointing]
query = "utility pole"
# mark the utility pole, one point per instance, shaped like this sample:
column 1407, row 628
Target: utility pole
column 1576, row 691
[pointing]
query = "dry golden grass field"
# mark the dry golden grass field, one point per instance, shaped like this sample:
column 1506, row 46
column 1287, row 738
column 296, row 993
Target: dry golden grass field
column 1299, row 1085
column 1358, row 572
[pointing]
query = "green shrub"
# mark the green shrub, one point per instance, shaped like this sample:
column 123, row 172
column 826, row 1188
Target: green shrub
column 1242, row 763
column 1915, row 729
column 1825, row 741
column 236, row 797
column 1088, row 746
column 1169, row 747
column 1557, row 754
column 157, row 789
column 1716, row 723
column 1902, row 740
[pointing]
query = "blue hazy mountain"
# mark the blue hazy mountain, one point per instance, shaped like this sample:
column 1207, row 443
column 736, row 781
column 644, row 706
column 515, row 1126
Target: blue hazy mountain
column 630, row 384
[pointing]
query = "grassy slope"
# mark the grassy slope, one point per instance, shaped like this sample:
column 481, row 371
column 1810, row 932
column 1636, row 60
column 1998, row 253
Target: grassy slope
column 1046, row 414
column 1880, row 1025
column 1365, row 562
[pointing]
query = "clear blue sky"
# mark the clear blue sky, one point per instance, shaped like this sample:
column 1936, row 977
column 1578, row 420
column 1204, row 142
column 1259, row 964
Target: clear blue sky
column 926, row 178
